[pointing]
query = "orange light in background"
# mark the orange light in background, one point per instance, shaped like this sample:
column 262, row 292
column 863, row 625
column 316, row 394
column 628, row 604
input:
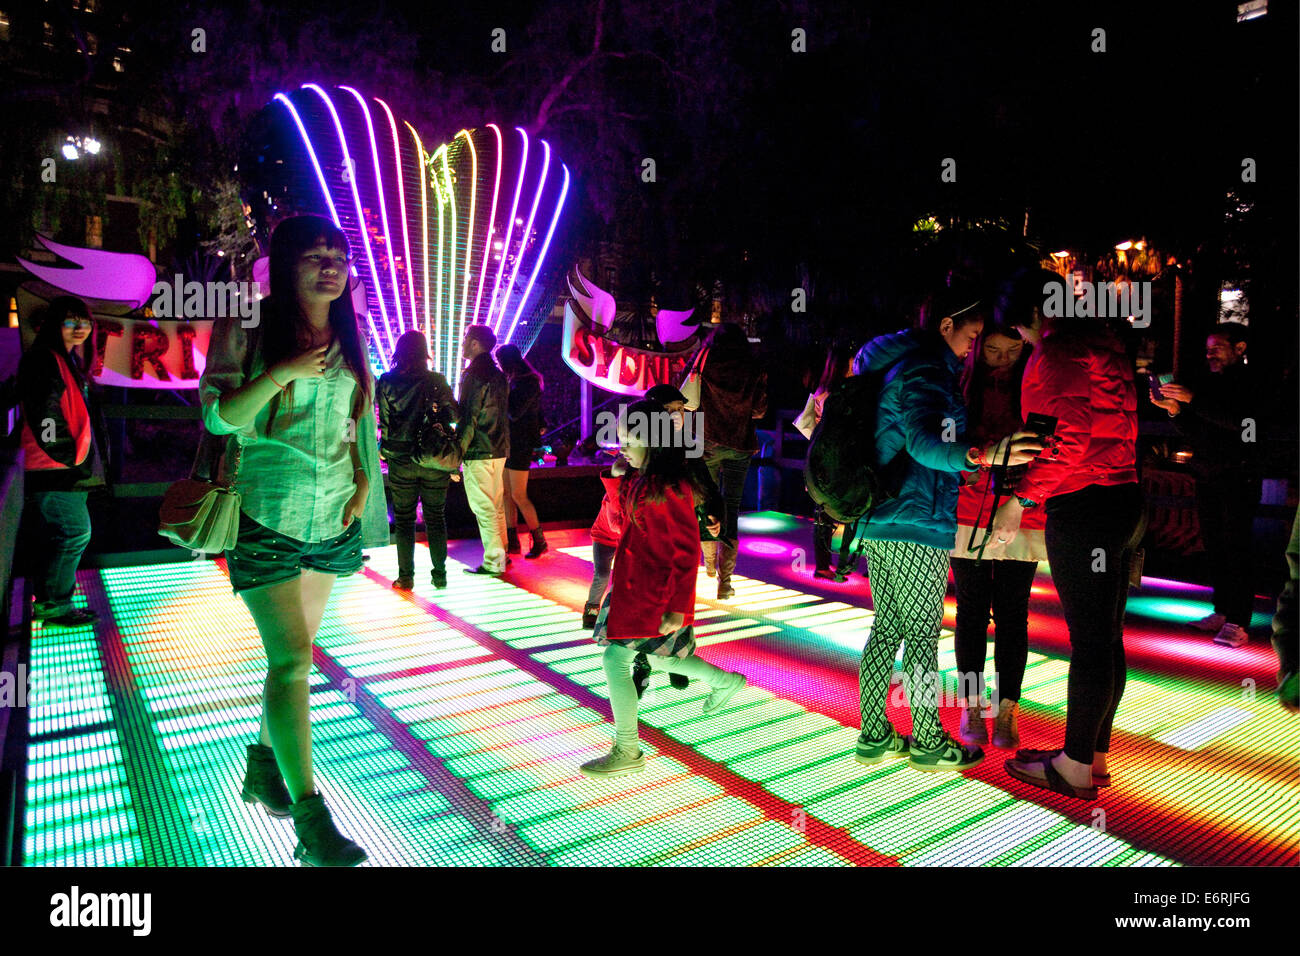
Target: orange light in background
column 13, row 312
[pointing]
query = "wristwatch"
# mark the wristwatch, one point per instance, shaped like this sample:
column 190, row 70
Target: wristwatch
column 1026, row 502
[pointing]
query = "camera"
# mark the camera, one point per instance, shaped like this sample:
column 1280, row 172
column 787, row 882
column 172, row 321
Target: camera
column 1044, row 426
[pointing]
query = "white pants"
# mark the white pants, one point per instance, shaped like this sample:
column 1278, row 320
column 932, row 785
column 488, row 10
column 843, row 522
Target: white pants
column 485, row 487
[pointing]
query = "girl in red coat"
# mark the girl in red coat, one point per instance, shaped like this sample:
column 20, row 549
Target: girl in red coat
column 651, row 604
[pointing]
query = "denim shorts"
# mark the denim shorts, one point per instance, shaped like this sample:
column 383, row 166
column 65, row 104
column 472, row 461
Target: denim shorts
column 263, row 557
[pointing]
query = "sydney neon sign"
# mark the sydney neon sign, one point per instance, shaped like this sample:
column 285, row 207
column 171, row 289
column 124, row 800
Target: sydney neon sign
column 441, row 239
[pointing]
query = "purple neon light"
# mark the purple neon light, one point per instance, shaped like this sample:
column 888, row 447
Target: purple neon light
column 109, row 276
column 401, row 196
column 424, row 229
column 505, row 250
column 541, row 256
column 383, row 210
column 528, row 226
column 492, row 219
column 361, row 216
column 320, row 177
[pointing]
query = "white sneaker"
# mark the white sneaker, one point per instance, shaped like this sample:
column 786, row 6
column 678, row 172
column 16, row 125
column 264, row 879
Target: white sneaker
column 616, row 763
column 718, row 699
column 1231, row 635
column 1209, row 623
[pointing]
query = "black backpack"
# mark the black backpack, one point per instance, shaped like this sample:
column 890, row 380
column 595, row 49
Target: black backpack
column 843, row 474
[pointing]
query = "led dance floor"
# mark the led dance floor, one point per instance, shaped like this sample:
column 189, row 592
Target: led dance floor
column 449, row 726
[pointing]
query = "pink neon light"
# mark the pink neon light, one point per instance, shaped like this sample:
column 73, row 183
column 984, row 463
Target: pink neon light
column 110, row 276
column 541, row 256
column 505, row 250
column 329, row 200
column 401, row 196
column 383, row 209
column 492, row 218
column 361, row 216
column 528, row 226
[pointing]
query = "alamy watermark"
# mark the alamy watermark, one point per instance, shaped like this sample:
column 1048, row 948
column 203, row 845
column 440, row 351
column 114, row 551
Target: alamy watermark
column 207, row 300
column 652, row 430
column 1099, row 300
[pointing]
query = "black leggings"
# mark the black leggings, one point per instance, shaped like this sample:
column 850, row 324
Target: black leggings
column 1089, row 539
column 1004, row 587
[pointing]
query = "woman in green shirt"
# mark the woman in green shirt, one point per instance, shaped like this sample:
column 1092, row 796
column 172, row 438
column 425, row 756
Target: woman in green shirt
column 295, row 393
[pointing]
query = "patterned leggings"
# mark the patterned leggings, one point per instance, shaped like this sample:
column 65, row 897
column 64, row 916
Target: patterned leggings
column 908, row 582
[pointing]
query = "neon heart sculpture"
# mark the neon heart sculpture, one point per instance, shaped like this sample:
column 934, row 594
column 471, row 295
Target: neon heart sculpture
column 440, row 240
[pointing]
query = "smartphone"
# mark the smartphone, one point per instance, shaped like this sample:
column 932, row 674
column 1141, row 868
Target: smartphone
column 1156, row 381
column 1045, row 427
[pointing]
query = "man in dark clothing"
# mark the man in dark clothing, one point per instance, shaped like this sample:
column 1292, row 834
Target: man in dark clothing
column 1286, row 635
column 485, row 442
column 733, row 394
column 1218, row 417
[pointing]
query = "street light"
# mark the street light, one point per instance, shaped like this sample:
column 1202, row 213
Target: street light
column 73, row 146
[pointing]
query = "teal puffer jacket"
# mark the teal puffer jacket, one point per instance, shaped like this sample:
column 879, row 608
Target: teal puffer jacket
column 922, row 414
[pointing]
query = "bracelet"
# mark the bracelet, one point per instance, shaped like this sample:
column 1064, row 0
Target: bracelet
column 1026, row 502
column 976, row 456
column 267, row 373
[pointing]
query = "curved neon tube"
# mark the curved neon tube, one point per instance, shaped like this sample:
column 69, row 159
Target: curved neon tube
column 447, row 208
column 469, row 222
column 320, row 177
column 491, row 230
column 383, row 208
column 537, row 267
column 356, row 199
column 505, row 249
column 424, row 226
column 532, row 217
column 401, row 198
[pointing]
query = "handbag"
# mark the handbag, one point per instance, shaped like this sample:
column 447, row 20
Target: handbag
column 201, row 515
column 198, row 513
column 436, row 443
column 691, row 384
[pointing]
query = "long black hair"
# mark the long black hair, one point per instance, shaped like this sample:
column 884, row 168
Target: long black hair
column 49, row 334
column 411, row 353
column 976, row 373
column 665, row 467
column 514, row 364
column 283, row 317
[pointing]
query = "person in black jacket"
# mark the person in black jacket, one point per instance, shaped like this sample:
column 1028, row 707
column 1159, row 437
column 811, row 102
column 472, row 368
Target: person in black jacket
column 408, row 393
column 485, row 442
column 63, row 445
column 525, row 409
column 1218, row 415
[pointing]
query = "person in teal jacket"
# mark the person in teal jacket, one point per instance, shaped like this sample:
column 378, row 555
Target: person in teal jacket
column 921, row 415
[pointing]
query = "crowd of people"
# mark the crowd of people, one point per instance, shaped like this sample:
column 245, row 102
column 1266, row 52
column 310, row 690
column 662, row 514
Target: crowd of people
column 980, row 493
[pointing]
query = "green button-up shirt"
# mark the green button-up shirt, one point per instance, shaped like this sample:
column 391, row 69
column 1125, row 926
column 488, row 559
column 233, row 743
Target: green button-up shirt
column 296, row 479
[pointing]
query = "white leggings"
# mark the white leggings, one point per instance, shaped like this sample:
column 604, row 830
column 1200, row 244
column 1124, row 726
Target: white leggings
column 617, row 662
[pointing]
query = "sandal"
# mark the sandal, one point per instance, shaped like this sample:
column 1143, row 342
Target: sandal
column 1027, row 755
column 1051, row 779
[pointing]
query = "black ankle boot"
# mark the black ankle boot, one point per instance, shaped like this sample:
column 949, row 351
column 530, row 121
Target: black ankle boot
column 679, row 681
column 539, row 544
column 263, row 783
column 512, row 541
column 319, row 840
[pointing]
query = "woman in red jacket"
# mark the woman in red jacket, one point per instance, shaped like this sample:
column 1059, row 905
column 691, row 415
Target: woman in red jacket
column 64, row 453
column 651, row 605
column 1081, row 375
column 995, row 574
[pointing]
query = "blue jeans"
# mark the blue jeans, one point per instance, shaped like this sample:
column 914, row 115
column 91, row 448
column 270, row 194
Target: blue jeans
column 728, row 467
column 65, row 523
column 602, row 559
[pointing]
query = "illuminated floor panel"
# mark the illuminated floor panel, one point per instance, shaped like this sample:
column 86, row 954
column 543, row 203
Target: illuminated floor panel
column 448, row 727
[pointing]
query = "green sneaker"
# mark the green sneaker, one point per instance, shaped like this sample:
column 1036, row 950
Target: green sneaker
column 949, row 755
column 616, row 763
column 878, row 751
